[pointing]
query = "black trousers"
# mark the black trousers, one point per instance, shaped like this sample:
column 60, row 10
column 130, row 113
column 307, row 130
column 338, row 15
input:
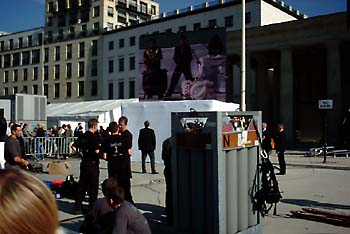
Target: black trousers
column 88, row 182
column 281, row 162
column 186, row 70
column 124, row 182
column 151, row 156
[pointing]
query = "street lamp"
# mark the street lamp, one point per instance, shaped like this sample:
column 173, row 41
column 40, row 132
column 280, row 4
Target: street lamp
column 42, row 61
column 243, row 66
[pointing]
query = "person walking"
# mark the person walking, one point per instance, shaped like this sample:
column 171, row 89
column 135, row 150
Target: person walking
column 127, row 139
column 147, row 145
column 89, row 166
column 280, row 147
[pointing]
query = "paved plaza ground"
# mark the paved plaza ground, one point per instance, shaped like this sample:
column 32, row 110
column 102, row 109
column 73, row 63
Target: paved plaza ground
column 308, row 183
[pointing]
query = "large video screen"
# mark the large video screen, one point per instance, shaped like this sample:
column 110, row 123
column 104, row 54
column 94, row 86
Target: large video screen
column 188, row 65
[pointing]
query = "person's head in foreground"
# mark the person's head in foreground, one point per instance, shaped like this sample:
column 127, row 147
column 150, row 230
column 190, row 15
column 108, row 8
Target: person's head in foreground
column 26, row 204
column 115, row 196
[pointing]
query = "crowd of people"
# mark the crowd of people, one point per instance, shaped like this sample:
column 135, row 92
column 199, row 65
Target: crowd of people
column 40, row 142
column 115, row 213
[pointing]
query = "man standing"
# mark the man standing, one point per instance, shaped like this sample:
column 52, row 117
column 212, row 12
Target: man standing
column 89, row 166
column 115, row 151
column 78, row 131
column 182, row 58
column 266, row 139
column 13, row 151
column 127, row 140
column 147, row 145
column 280, row 144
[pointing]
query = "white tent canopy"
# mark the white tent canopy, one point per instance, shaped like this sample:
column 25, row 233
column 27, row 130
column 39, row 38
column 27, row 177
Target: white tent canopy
column 105, row 110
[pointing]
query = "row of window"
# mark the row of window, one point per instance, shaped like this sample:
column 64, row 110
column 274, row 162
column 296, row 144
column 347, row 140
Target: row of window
column 80, row 89
column 35, row 72
column 212, row 23
column 121, row 94
column 71, row 33
column 81, row 70
column 56, row 93
column 121, row 43
column 121, row 62
column 11, row 44
column 33, row 57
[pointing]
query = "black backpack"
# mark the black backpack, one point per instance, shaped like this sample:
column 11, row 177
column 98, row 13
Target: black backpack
column 69, row 187
column 268, row 193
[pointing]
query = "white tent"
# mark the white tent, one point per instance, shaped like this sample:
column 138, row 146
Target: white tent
column 159, row 115
column 105, row 111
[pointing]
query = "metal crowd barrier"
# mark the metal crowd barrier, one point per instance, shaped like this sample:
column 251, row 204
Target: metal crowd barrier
column 42, row 147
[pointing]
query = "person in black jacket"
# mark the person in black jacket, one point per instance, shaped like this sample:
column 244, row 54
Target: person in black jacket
column 166, row 156
column 280, row 144
column 127, row 140
column 266, row 139
column 147, row 145
column 182, row 58
column 89, row 166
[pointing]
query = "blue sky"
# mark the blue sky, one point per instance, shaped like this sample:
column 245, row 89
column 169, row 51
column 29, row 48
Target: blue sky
column 18, row 15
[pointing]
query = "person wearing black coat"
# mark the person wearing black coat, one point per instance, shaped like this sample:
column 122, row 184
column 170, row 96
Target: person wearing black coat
column 280, row 147
column 147, row 145
column 266, row 139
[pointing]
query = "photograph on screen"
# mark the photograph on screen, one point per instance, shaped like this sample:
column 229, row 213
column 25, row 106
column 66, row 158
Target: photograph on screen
column 184, row 65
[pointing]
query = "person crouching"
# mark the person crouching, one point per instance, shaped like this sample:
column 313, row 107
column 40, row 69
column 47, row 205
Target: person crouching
column 127, row 218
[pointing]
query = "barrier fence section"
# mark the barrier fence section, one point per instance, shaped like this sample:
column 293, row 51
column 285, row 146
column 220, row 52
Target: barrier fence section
column 41, row 147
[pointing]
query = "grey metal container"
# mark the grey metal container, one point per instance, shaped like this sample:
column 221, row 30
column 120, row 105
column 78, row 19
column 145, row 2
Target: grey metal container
column 211, row 184
column 24, row 108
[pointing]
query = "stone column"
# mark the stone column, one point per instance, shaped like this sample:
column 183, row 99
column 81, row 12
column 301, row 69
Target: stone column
column 334, row 92
column 251, row 83
column 286, row 98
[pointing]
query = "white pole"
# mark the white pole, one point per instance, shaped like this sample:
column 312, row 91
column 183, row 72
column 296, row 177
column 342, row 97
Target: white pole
column 243, row 66
column 42, row 62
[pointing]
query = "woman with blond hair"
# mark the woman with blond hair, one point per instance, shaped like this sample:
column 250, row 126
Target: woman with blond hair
column 26, row 204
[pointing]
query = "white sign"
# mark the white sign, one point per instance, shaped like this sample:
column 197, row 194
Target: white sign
column 325, row 104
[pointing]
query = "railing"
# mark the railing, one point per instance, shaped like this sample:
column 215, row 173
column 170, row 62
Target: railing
column 42, row 147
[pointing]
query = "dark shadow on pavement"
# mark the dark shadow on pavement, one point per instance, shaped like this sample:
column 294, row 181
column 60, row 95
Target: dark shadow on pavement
column 72, row 226
column 309, row 203
column 137, row 172
column 156, row 218
column 66, row 206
